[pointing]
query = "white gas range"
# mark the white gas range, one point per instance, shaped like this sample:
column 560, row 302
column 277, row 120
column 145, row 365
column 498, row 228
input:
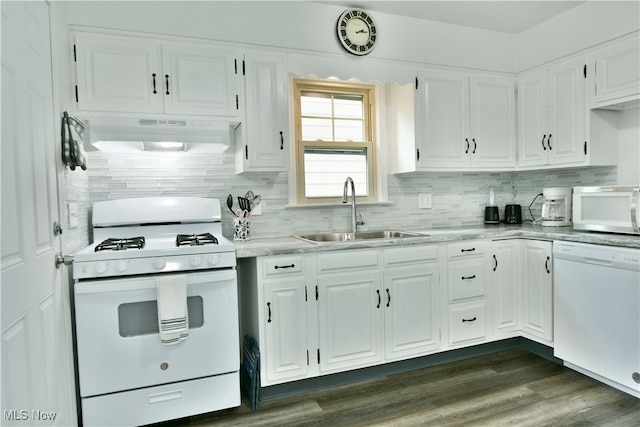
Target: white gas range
column 156, row 312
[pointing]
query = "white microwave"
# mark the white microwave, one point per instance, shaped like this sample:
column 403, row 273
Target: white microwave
column 609, row 209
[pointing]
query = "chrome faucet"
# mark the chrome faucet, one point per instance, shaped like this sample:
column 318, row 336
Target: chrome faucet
column 355, row 221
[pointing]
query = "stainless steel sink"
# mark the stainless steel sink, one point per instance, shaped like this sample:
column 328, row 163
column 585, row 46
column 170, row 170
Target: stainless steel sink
column 360, row 235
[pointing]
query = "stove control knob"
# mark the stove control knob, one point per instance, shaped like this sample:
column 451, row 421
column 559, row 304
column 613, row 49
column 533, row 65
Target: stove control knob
column 102, row 267
column 214, row 259
column 159, row 264
column 195, row 260
column 121, row 266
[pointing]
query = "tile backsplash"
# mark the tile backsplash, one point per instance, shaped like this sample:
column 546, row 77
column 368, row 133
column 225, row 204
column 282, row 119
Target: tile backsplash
column 457, row 198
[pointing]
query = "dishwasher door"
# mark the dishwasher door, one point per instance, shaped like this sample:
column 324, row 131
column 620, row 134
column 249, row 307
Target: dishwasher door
column 597, row 312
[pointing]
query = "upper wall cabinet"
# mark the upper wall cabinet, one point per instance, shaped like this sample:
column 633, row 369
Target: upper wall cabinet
column 262, row 139
column 122, row 74
column 460, row 122
column 616, row 72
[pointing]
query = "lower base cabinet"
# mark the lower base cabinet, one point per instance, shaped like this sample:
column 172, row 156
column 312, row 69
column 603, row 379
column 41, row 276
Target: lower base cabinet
column 320, row 313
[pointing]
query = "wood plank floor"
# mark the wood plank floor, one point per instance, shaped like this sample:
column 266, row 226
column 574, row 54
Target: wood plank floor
column 511, row 387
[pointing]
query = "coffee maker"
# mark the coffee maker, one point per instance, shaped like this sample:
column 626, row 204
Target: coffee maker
column 556, row 207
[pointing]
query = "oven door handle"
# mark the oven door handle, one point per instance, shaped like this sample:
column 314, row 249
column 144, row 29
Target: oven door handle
column 120, row 284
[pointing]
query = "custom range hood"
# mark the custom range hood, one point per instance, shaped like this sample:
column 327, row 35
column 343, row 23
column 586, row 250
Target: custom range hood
column 119, row 134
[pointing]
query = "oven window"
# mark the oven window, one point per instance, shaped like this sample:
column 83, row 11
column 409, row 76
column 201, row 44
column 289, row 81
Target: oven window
column 141, row 318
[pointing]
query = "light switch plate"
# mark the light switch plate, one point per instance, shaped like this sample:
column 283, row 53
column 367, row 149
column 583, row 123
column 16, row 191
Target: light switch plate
column 424, row 201
column 72, row 208
column 257, row 209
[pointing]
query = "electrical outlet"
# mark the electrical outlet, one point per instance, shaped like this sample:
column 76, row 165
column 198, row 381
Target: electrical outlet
column 424, row 201
column 72, row 208
column 257, row 209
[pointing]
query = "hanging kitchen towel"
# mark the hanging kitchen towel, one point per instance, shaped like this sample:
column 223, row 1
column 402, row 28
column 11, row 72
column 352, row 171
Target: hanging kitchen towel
column 173, row 315
column 73, row 154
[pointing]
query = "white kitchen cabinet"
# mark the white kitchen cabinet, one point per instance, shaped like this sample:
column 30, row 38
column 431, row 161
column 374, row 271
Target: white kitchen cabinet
column 551, row 116
column 467, row 293
column 465, row 122
column 349, row 310
column 129, row 74
column 537, row 287
column 262, row 142
column 506, row 281
column 616, row 74
column 410, row 297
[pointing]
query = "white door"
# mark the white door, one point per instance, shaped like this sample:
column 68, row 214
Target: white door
column 506, row 284
column 537, row 290
column 532, row 120
column 36, row 379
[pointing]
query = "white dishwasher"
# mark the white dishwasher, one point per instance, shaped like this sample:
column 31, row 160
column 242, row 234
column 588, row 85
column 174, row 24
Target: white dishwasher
column 597, row 312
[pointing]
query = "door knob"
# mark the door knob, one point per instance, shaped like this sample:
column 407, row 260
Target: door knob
column 63, row 259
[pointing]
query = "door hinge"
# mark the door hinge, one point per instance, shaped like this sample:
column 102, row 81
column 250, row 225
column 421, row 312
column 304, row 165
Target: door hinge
column 246, row 152
column 318, row 356
column 316, row 292
column 585, row 71
column 585, row 148
column 305, row 293
column 416, row 83
column 76, row 93
column 75, row 54
column 417, row 154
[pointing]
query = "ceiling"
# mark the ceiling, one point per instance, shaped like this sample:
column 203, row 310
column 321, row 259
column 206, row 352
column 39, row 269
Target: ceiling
column 509, row 16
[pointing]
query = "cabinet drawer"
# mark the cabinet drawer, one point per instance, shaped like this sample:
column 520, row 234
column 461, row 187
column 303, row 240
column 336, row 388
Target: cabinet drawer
column 282, row 265
column 348, row 260
column 466, row 249
column 466, row 280
column 466, row 323
column 409, row 254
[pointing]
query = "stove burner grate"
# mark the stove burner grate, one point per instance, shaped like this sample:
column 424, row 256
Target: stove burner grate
column 196, row 239
column 121, row 244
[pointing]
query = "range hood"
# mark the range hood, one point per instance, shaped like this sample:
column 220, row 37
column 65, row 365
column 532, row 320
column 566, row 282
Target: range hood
column 128, row 135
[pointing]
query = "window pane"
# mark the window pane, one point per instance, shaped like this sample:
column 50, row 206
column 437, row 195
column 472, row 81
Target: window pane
column 315, row 129
column 349, row 130
column 315, row 104
column 348, row 107
column 325, row 172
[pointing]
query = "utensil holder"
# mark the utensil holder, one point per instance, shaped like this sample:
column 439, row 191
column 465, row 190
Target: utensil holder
column 241, row 229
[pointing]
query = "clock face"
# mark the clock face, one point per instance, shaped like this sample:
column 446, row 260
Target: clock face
column 357, row 31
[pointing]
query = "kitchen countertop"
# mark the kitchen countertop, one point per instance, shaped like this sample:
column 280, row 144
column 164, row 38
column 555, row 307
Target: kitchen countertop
column 280, row 245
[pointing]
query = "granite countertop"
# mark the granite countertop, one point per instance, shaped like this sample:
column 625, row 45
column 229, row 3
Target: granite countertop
column 281, row 245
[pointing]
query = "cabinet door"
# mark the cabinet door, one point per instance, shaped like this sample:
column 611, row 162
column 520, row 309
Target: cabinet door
column 567, row 112
column 493, row 123
column 532, row 120
column 411, row 310
column 199, row 80
column 537, row 290
column 285, row 351
column 506, row 299
column 443, row 115
column 266, row 144
column 118, row 74
column 618, row 73
column 350, row 312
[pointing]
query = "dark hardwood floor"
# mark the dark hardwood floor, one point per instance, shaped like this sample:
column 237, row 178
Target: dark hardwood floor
column 510, row 387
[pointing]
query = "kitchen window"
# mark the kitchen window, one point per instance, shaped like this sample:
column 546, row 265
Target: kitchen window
column 334, row 140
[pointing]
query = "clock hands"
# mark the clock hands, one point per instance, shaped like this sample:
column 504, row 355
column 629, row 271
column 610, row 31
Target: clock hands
column 361, row 31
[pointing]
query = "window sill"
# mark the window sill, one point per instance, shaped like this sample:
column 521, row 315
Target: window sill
column 331, row 205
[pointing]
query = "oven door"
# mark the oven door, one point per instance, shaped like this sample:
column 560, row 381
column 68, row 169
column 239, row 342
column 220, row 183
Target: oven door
column 118, row 342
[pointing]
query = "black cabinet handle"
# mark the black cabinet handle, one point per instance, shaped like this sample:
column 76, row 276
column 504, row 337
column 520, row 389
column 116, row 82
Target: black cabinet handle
column 166, row 79
column 277, row 267
column 469, row 320
column 467, row 150
column 154, row 83
column 546, row 265
column 281, row 141
column 496, row 263
column 269, row 308
column 379, row 299
column 475, row 145
column 389, row 298
column 468, row 250
column 549, row 142
column 468, row 277
column 543, row 138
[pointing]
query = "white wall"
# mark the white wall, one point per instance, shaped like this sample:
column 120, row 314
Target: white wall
column 581, row 27
column 629, row 147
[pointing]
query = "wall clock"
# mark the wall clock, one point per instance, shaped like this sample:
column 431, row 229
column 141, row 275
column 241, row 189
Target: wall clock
column 357, row 31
